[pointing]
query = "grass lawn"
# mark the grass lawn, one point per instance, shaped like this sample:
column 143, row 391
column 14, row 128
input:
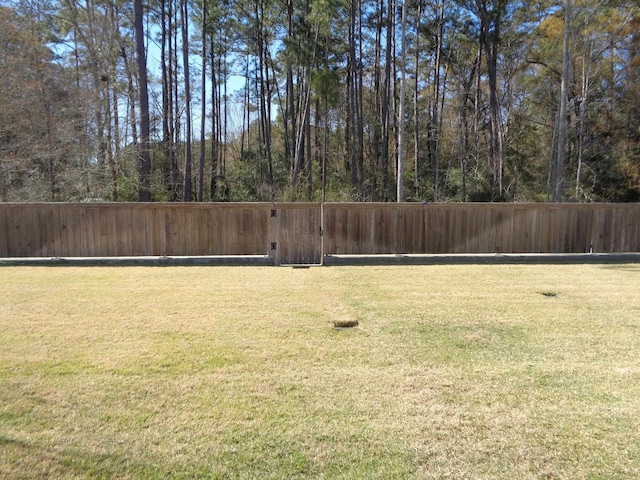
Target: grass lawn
column 462, row 372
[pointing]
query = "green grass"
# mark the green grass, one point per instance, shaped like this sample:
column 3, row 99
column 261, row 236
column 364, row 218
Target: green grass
column 462, row 372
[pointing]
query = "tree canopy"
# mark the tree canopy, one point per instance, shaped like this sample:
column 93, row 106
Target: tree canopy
column 259, row 100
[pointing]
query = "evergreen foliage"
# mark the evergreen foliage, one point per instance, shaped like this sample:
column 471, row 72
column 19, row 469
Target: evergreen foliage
column 302, row 100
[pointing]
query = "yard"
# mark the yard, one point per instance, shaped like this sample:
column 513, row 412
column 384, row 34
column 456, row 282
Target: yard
column 462, row 372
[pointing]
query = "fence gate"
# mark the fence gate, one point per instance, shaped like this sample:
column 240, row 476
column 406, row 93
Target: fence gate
column 295, row 234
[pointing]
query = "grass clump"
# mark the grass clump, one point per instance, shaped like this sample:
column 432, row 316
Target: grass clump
column 453, row 372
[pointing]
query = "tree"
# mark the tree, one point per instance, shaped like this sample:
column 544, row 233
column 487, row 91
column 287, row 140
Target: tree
column 491, row 14
column 144, row 158
column 497, row 107
column 184, row 26
column 42, row 143
column 401, row 112
column 561, row 149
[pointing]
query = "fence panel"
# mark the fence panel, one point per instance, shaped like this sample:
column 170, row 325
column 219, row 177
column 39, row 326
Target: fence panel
column 362, row 228
column 480, row 228
column 297, row 233
column 292, row 235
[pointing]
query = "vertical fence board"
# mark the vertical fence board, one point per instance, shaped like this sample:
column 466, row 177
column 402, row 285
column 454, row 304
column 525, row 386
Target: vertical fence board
column 411, row 233
column 224, row 227
column 628, row 225
column 582, row 235
column 113, row 230
column 384, row 228
column 199, row 231
column 612, row 235
column 90, row 228
column 172, row 229
column 32, row 230
column 273, row 229
column 432, row 231
column 210, row 219
column 330, row 224
column 138, row 230
column 16, row 242
column 186, row 237
column 504, row 243
column 598, row 235
column 101, row 235
column 48, row 230
column 473, row 237
column 25, row 231
column 73, row 222
column 494, row 219
column 359, row 226
column 526, row 227
column 4, row 243
column 60, row 231
column 156, row 231
column 632, row 230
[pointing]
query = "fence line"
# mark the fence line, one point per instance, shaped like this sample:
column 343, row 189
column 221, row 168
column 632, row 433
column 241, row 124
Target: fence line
column 305, row 232
column 377, row 228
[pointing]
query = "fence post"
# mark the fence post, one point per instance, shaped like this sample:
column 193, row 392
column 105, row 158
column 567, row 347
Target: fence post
column 274, row 234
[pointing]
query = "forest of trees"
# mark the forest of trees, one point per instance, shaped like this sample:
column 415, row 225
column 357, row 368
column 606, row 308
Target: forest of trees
column 296, row 100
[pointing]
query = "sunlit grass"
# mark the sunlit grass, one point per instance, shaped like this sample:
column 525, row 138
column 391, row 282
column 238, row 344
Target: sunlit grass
column 452, row 372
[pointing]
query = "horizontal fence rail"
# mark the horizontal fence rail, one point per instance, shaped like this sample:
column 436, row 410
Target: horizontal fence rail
column 303, row 233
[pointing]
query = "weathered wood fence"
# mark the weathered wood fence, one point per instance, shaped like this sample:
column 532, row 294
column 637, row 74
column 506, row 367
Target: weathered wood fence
column 291, row 233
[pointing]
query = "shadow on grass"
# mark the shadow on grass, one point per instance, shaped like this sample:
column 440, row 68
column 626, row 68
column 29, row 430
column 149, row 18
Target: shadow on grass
column 49, row 461
column 622, row 267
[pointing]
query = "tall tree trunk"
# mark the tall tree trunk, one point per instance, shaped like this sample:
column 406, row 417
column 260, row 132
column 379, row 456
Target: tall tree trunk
column 401, row 113
column 144, row 157
column 561, row 153
column 290, row 108
column 203, row 103
column 490, row 21
column 360, row 103
column 175, row 95
column 325, row 141
column 386, row 98
column 223, row 99
column 434, row 137
column 416, row 111
column 464, row 135
column 355, row 140
column 131, row 96
column 303, row 118
column 349, row 130
column 378, row 93
column 304, row 97
column 215, row 123
column 264, row 92
column 184, row 20
column 583, row 113
column 166, row 64
column 476, row 107
column 113, row 172
column 309, row 146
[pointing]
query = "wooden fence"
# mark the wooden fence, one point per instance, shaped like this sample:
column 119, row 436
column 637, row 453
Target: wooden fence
column 481, row 228
column 294, row 233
